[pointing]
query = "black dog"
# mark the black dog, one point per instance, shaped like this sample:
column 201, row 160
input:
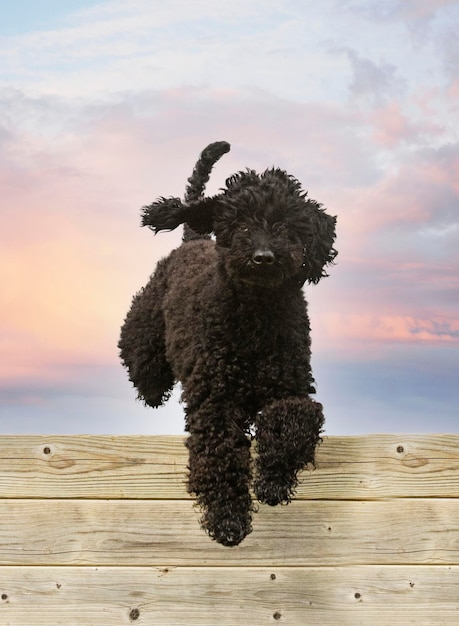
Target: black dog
column 227, row 318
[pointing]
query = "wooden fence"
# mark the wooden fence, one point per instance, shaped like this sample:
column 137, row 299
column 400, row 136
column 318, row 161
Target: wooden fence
column 100, row 530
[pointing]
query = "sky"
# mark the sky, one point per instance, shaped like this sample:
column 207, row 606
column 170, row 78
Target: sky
column 105, row 106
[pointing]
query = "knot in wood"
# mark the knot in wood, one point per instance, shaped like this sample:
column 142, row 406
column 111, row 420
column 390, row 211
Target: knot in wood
column 134, row 615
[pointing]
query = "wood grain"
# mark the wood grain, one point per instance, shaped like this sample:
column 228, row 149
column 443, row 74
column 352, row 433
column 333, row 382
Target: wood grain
column 152, row 532
column 100, row 531
column 370, row 467
column 349, row 596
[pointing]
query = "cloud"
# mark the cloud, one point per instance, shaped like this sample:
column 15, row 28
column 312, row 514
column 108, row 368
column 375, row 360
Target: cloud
column 412, row 206
column 70, row 231
column 392, row 126
column 376, row 81
column 92, row 400
column 142, row 45
column 392, row 328
column 130, row 47
column 428, row 182
column 395, row 9
column 111, row 110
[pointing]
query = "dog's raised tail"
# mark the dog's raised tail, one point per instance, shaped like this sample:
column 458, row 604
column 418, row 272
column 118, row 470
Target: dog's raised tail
column 200, row 176
column 168, row 213
column 198, row 180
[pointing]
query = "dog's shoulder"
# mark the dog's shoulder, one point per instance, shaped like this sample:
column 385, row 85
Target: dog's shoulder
column 194, row 253
column 188, row 264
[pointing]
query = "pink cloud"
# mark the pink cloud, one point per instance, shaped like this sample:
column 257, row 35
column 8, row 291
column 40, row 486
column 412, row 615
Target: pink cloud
column 72, row 253
column 453, row 91
column 422, row 8
column 443, row 173
column 417, row 196
column 391, row 126
column 65, row 295
column 369, row 327
column 71, row 250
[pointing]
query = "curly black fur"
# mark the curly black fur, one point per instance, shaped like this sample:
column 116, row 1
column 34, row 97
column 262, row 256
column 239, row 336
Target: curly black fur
column 229, row 321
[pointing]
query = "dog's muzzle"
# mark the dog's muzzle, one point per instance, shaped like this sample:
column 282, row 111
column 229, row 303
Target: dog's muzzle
column 263, row 269
column 263, row 257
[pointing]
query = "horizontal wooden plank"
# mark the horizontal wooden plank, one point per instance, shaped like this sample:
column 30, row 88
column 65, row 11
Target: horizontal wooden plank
column 350, row 596
column 364, row 467
column 385, row 466
column 152, row 532
column 82, row 466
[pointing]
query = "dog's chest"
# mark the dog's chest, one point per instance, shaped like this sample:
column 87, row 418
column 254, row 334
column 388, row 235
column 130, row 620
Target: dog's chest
column 254, row 331
column 255, row 339
column 244, row 345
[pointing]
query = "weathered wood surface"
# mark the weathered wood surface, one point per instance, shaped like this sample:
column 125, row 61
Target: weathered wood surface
column 358, row 596
column 154, row 532
column 361, row 468
column 100, row 531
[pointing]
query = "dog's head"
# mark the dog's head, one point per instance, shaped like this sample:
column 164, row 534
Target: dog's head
column 267, row 230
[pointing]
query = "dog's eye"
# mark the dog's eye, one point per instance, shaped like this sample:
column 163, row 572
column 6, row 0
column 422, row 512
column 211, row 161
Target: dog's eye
column 245, row 230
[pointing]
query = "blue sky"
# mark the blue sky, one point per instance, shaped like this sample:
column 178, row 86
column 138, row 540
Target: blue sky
column 104, row 106
column 26, row 16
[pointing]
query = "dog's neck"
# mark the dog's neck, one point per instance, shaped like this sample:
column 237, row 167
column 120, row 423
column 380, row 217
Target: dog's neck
column 260, row 297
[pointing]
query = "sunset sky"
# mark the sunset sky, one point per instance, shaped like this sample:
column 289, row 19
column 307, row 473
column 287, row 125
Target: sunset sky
column 106, row 105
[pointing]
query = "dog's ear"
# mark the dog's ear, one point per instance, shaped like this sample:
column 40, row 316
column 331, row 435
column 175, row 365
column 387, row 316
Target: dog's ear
column 168, row 213
column 164, row 214
column 318, row 239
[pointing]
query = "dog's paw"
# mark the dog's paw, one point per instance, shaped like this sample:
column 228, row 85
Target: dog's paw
column 273, row 492
column 231, row 533
column 229, row 530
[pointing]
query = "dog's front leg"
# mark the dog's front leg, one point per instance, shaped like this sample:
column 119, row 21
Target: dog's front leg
column 288, row 431
column 220, row 472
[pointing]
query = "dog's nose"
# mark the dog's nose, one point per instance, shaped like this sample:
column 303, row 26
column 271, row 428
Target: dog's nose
column 263, row 257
